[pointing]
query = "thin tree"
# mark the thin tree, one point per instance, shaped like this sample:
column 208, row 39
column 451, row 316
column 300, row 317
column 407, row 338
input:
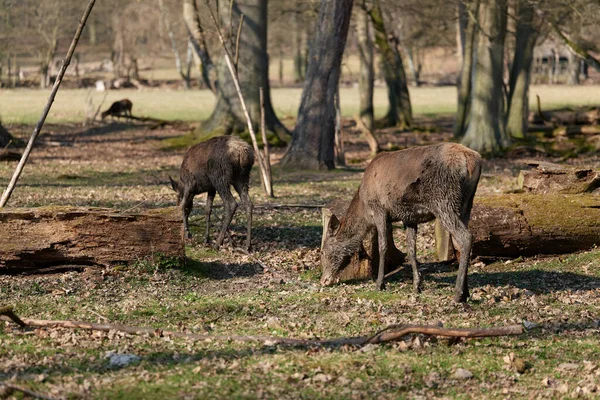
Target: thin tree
column 467, row 42
column 520, row 73
column 400, row 111
column 312, row 144
column 252, row 64
column 486, row 132
column 366, row 77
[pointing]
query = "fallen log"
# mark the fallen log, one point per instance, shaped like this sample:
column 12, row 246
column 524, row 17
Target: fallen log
column 558, row 178
column 9, row 155
column 388, row 334
column 365, row 263
column 582, row 116
column 513, row 225
column 37, row 238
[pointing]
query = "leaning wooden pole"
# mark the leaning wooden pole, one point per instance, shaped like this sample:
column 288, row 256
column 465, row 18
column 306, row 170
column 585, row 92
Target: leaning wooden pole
column 40, row 124
column 263, row 132
column 262, row 163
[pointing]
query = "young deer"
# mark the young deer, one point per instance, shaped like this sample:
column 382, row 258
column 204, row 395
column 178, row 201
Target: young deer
column 119, row 108
column 415, row 185
column 212, row 167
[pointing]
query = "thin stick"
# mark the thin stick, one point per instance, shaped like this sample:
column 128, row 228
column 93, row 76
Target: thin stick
column 237, row 42
column 261, row 161
column 391, row 333
column 266, row 148
column 100, row 106
column 27, row 392
column 40, row 124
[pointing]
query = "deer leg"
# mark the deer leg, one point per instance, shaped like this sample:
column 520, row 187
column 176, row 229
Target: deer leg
column 187, row 202
column 462, row 237
column 242, row 190
column 210, row 196
column 230, row 207
column 382, row 225
column 411, row 239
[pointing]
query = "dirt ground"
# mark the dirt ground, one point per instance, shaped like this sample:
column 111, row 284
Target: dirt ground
column 228, row 292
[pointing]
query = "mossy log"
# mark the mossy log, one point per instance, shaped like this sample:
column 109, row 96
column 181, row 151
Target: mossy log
column 558, row 178
column 364, row 264
column 33, row 239
column 513, row 225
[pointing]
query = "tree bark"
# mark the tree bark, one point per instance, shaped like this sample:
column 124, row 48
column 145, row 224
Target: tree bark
column 520, row 73
column 253, row 72
column 299, row 61
column 558, row 178
column 38, row 238
column 528, row 225
column 366, row 75
column 486, row 132
column 574, row 69
column 468, row 55
column 312, row 144
column 400, row 111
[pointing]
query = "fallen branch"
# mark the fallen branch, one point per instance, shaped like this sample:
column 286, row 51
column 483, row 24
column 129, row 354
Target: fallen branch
column 29, row 393
column 391, row 333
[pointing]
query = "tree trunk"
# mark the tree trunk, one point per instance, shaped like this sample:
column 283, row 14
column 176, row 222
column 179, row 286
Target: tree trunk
column 464, row 84
column 299, row 62
column 253, row 71
column 486, row 132
column 574, row 68
column 364, row 264
column 558, row 178
column 313, row 140
column 208, row 70
column 39, row 238
column 400, row 111
column 529, row 225
column 366, row 75
column 520, row 73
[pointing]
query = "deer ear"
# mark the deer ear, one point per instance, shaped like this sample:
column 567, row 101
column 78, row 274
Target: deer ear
column 332, row 227
column 174, row 185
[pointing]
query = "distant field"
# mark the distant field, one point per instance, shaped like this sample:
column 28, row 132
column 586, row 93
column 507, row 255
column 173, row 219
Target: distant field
column 25, row 105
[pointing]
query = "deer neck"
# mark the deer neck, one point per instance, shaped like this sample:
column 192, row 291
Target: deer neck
column 353, row 226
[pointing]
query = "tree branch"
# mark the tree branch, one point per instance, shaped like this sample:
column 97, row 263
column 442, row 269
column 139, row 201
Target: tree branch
column 391, row 333
column 576, row 49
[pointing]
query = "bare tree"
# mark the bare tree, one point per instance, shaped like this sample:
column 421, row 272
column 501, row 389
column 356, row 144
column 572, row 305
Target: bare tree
column 363, row 29
column 400, row 109
column 520, row 73
column 486, row 132
column 313, row 140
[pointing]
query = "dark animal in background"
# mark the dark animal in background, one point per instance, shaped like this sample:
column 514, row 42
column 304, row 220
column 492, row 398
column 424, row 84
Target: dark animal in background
column 415, row 185
column 212, row 167
column 118, row 109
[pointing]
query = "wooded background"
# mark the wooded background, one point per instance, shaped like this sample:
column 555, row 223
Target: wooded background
column 492, row 51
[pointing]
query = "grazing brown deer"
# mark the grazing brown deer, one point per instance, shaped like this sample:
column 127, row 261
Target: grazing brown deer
column 415, row 185
column 119, row 108
column 213, row 166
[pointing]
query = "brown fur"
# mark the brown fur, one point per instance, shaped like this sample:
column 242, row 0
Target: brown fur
column 119, row 108
column 212, row 167
column 415, row 185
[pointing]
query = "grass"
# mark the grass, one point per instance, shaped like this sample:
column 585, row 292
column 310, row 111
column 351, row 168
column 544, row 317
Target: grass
column 23, row 106
column 226, row 292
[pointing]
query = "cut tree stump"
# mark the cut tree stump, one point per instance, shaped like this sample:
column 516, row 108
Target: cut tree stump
column 513, row 225
column 39, row 238
column 558, row 178
column 364, row 264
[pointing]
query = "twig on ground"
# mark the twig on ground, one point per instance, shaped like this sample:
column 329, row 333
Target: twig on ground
column 391, row 333
column 27, row 392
